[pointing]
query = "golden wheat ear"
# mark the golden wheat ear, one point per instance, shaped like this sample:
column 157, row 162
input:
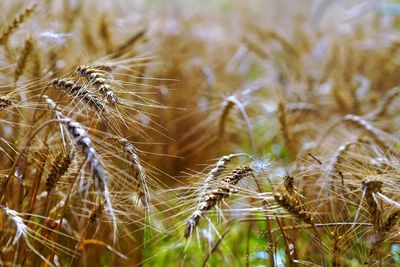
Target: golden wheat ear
column 8, row 30
column 84, row 143
column 215, row 195
column 120, row 50
column 227, row 106
column 337, row 249
column 138, row 172
column 6, row 101
column 74, row 89
column 58, row 168
column 23, row 58
column 96, row 77
column 284, row 127
column 22, row 230
column 293, row 202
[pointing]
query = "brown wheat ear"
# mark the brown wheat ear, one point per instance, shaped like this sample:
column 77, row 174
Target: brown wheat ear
column 105, row 33
column 214, row 196
column 84, row 143
column 23, row 58
column 58, row 168
column 74, row 89
column 337, row 248
column 282, row 117
column 293, row 206
column 227, row 107
column 6, row 101
column 289, row 184
column 139, row 173
column 16, row 23
column 96, row 213
column 372, row 187
column 97, row 77
column 120, row 50
column 218, row 169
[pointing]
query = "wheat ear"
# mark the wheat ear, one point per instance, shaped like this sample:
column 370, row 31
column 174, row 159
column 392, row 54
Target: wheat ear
column 120, row 50
column 23, row 58
column 227, row 106
column 82, row 141
column 336, row 249
column 284, row 125
column 6, row 101
column 97, row 77
column 214, row 196
column 74, row 89
column 218, row 169
column 139, row 173
column 382, row 107
column 293, row 206
column 58, row 168
column 16, row 23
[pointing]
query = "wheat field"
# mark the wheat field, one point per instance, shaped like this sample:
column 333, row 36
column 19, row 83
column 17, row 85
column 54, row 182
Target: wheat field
column 199, row 133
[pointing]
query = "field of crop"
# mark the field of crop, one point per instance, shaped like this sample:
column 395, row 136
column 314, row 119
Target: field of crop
column 199, row 133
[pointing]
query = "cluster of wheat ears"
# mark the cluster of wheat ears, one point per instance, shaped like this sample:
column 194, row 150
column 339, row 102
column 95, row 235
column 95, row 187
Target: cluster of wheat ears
column 110, row 110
